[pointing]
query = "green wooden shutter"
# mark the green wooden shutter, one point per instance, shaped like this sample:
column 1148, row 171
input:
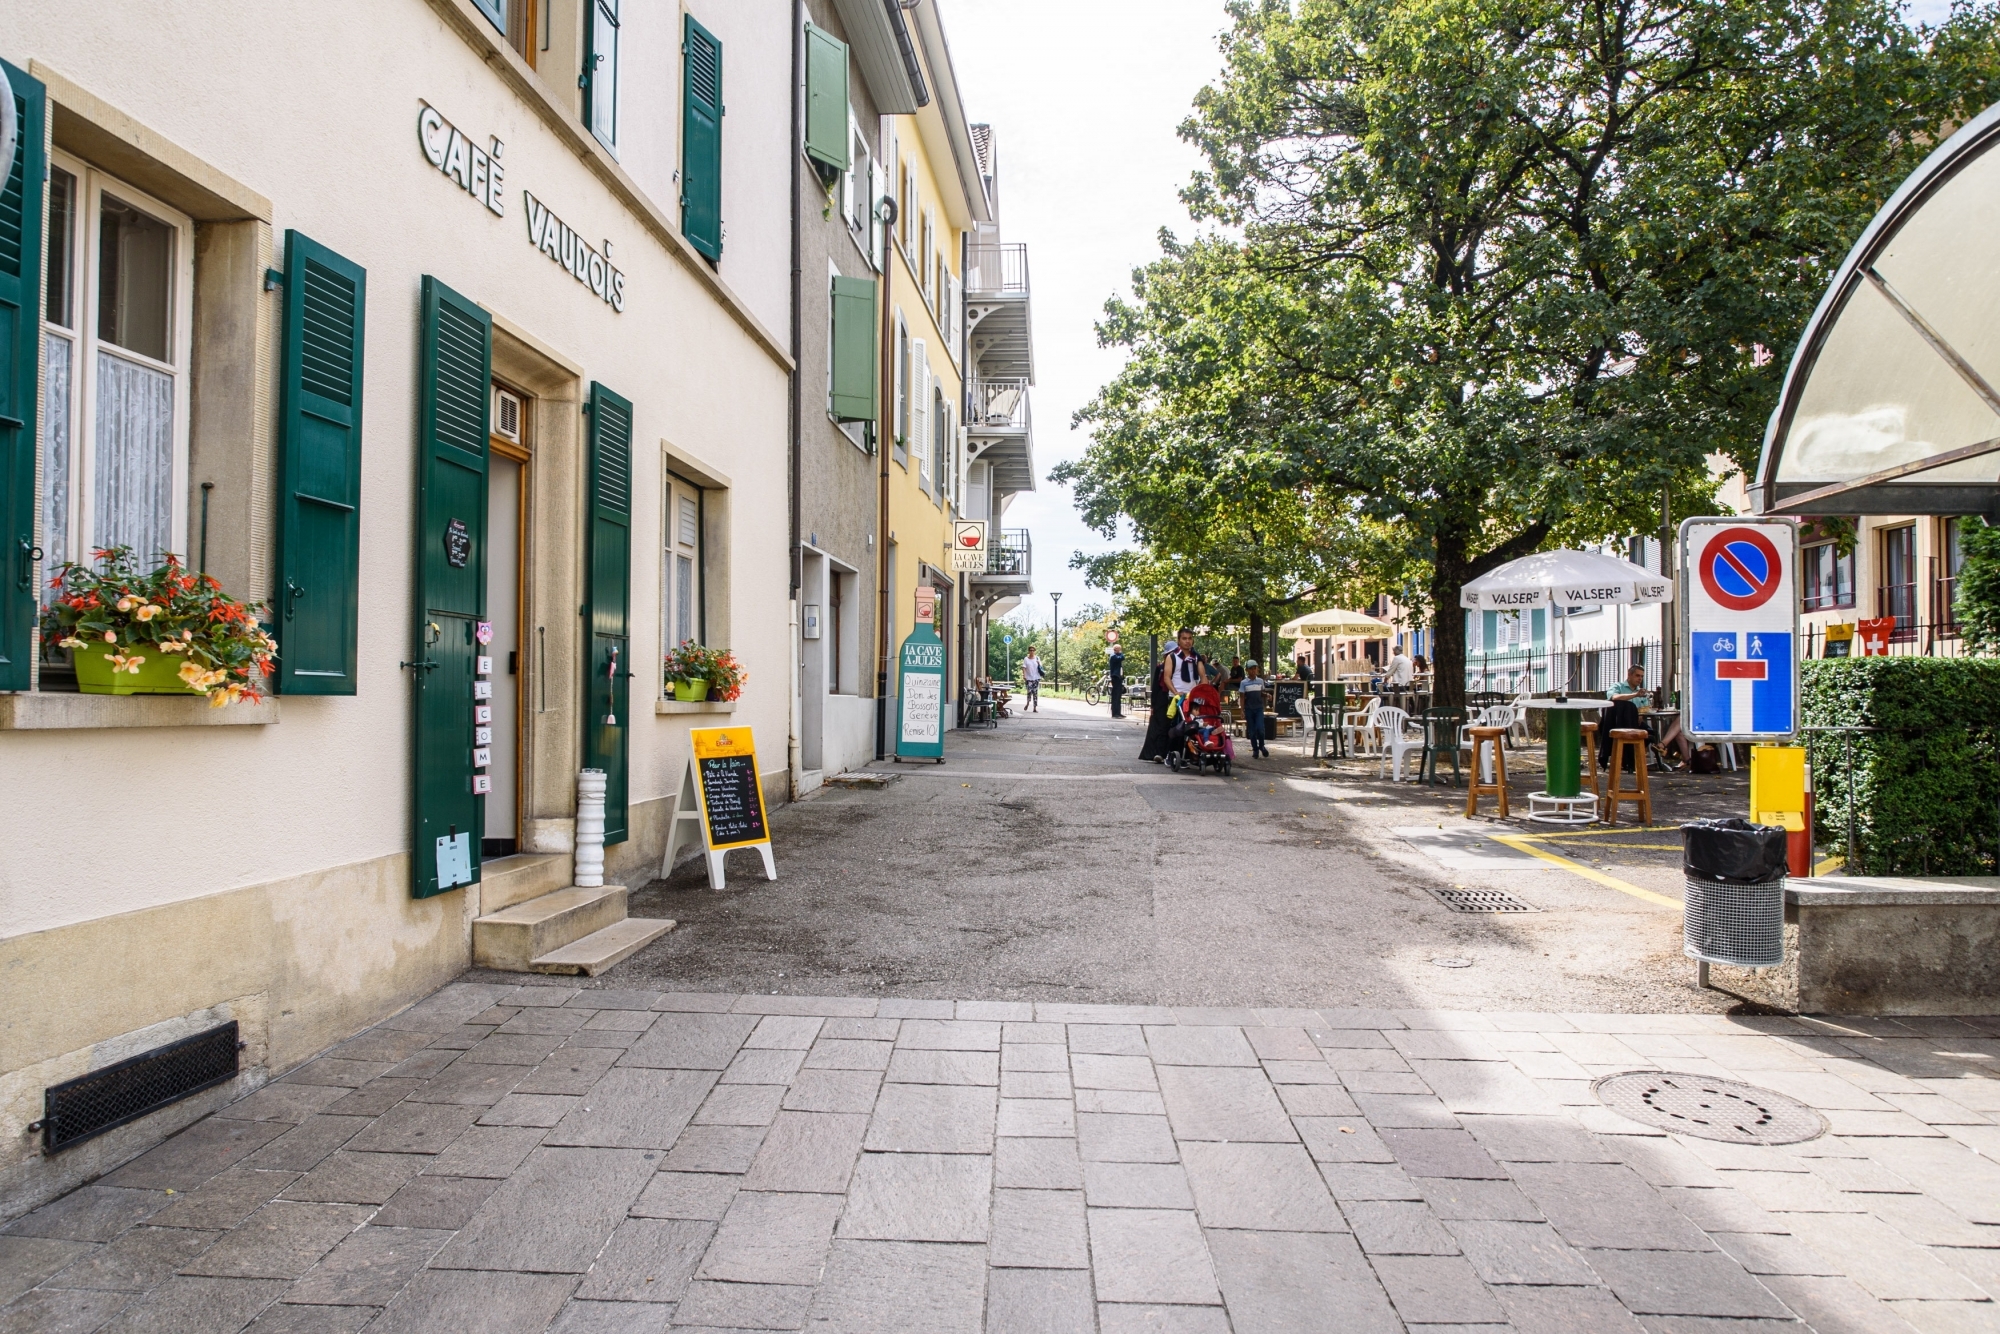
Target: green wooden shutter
column 453, row 403
column 20, row 378
column 826, row 98
column 319, row 495
column 701, row 140
column 608, row 604
column 854, row 375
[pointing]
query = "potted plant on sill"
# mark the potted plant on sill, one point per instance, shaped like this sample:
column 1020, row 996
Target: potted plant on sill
column 696, row 673
column 167, row 632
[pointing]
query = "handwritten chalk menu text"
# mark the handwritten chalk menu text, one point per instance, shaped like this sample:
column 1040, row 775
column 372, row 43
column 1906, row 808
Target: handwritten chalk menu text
column 920, row 695
column 732, row 802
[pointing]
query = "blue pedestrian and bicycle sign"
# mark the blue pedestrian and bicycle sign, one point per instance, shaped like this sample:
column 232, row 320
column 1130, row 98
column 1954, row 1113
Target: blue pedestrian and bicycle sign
column 1742, row 628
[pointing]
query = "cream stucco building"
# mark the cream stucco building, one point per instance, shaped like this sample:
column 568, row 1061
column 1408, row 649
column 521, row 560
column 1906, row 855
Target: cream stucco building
column 560, row 238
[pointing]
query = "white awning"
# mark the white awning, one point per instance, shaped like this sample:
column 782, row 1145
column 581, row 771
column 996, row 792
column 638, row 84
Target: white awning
column 1336, row 625
column 1565, row 579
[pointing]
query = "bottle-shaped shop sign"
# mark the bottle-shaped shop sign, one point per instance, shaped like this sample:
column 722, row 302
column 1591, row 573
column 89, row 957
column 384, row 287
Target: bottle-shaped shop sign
column 920, row 687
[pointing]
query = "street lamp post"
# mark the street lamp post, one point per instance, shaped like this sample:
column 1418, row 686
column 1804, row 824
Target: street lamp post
column 1057, row 666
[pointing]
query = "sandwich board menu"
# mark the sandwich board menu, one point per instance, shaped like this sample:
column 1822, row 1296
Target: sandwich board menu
column 920, row 693
column 720, row 794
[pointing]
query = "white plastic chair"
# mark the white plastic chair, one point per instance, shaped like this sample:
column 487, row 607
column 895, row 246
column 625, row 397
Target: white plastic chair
column 1397, row 740
column 1518, row 724
column 1359, row 724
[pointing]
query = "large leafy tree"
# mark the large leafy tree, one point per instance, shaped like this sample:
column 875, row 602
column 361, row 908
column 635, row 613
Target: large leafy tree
column 1489, row 275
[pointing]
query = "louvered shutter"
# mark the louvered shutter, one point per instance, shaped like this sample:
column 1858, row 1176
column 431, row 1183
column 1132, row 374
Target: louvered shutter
column 20, row 377
column 853, row 390
column 701, row 140
column 319, row 494
column 453, row 402
column 608, row 604
column 826, row 99
column 954, row 314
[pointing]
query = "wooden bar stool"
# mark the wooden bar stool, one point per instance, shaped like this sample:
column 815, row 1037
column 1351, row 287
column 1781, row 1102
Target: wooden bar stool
column 1627, row 741
column 1590, row 754
column 1484, row 737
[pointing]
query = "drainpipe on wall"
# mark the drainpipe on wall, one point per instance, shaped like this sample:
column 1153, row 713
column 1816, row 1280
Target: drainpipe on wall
column 793, row 752
column 885, row 624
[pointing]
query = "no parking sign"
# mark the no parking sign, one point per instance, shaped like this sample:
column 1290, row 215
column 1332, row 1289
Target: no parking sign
column 1741, row 590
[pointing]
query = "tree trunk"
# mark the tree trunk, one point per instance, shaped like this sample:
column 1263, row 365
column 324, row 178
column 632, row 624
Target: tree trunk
column 1448, row 574
column 1257, row 637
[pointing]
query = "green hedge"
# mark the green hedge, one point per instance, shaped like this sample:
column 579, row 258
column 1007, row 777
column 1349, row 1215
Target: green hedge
column 1926, row 779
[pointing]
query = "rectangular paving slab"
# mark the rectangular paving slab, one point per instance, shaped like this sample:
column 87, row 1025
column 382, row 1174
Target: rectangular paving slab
column 739, row 1163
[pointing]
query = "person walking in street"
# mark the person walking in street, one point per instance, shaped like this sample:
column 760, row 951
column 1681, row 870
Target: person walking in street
column 1031, row 676
column 1154, row 747
column 1252, row 688
column 1185, row 669
column 1114, row 661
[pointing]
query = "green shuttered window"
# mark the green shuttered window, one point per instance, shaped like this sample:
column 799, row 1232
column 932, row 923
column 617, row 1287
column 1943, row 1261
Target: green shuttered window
column 20, row 364
column 701, row 140
column 319, row 524
column 853, row 389
column 608, row 604
column 826, row 99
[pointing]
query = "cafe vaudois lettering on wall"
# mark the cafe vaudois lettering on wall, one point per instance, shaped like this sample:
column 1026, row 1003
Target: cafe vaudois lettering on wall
column 440, row 408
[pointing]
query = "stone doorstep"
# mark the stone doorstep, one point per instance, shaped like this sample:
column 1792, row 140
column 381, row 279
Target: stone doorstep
column 506, row 881
column 514, row 937
column 601, row 949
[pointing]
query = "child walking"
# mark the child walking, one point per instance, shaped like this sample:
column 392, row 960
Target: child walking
column 1252, row 689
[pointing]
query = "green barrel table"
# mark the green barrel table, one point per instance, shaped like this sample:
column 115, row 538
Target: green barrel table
column 1564, row 801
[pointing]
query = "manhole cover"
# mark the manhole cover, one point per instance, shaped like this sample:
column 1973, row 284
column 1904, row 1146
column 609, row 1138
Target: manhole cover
column 1720, row 1109
column 1452, row 963
column 1481, row 900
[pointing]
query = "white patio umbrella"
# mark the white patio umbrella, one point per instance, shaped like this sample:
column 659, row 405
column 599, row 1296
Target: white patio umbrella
column 1336, row 624
column 1565, row 579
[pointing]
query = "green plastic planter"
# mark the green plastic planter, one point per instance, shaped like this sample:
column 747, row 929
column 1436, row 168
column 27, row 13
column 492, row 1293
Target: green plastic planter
column 690, row 692
column 159, row 674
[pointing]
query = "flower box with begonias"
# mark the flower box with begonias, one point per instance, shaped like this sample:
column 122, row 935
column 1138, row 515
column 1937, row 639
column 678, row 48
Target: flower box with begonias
column 697, row 673
column 164, row 632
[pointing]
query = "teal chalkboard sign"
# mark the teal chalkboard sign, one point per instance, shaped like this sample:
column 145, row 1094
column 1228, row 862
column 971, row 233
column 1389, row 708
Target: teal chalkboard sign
column 920, row 696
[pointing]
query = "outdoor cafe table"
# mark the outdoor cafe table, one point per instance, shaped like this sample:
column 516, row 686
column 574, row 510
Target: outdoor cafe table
column 1563, row 801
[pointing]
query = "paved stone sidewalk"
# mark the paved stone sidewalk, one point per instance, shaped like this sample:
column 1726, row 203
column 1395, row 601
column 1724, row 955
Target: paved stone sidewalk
column 504, row 1158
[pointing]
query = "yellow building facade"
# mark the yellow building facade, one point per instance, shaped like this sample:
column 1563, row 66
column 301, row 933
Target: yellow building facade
column 931, row 165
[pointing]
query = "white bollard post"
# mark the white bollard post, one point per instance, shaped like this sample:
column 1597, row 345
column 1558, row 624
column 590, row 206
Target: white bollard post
column 590, row 828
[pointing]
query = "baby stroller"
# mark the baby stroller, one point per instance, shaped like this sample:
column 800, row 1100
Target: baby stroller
column 1206, row 743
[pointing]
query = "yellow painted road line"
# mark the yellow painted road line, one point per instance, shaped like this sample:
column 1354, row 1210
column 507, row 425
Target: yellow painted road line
column 1520, row 844
column 1608, row 831
column 1830, row 865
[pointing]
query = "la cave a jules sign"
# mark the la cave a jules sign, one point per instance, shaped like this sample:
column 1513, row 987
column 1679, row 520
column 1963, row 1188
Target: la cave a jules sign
column 481, row 173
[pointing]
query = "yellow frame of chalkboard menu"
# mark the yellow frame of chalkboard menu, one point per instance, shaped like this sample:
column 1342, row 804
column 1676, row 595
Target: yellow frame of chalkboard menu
column 710, row 743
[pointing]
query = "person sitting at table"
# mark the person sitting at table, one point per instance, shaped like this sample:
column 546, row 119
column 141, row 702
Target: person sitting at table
column 1624, row 711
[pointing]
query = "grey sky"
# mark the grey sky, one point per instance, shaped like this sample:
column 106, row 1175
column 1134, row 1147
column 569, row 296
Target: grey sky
column 1089, row 169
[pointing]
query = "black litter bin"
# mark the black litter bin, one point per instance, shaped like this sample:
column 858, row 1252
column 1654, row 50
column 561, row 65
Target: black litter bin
column 1735, row 873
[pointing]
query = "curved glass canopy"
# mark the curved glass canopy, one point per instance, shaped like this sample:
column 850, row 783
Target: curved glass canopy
column 1890, row 405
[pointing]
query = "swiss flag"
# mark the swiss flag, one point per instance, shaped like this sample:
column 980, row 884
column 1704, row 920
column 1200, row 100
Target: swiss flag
column 1874, row 635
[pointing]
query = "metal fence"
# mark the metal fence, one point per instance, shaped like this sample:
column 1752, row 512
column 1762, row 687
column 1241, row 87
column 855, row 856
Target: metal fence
column 1910, row 638
column 1583, row 668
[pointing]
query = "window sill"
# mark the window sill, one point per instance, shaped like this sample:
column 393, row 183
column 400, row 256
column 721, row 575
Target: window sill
column 67, row 712
column 694, row 706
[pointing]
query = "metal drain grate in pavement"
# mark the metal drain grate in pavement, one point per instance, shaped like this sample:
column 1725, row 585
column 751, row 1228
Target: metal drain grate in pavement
column 1481, row 900
column 1719, row 1109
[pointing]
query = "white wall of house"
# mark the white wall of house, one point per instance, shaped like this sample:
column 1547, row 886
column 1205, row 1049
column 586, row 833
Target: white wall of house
column 160, row 876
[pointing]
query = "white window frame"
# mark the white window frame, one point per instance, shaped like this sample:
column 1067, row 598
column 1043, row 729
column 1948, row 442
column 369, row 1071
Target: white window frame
column 857, row 203
column 677, row 543
column 920, row 411
column 91, row 186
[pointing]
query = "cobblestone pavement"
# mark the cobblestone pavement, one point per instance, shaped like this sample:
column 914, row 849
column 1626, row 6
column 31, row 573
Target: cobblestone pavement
column 525, row 1157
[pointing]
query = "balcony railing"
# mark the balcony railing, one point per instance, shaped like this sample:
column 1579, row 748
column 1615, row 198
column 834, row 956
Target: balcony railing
column 996, row 404
column 1010, row 555
column 997, row 269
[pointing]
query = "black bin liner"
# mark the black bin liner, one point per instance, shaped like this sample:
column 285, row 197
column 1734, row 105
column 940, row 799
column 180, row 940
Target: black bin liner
column 1733, row 851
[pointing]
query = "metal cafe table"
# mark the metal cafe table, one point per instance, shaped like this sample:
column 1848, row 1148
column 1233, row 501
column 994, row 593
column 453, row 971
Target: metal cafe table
column 1564, row 801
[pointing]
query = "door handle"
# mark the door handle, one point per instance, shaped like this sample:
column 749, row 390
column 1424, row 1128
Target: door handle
column 292, row 595
column 30, row 553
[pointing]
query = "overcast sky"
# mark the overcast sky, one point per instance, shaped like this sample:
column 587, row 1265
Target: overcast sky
column 1089, row 169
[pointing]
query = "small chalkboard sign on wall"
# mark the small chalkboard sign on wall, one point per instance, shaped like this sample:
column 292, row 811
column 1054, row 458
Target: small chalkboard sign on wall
column 721, row 794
